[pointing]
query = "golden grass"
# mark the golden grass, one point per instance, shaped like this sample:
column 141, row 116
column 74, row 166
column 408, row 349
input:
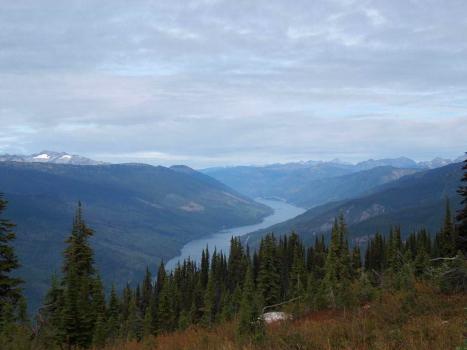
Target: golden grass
column 422, row 319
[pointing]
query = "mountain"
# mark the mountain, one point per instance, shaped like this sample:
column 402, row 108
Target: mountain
column 50, row 157
column 401, row 162
column 347, row 186
column 413, row 201
column 311, row 183
column 276, row 180
column 438, row 162
column 140, row 213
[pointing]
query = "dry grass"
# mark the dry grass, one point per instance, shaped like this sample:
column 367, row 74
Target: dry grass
column 423, row 319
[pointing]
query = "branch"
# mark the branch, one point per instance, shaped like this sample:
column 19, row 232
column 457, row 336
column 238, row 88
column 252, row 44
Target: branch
column 279, row 304
column 435, row 259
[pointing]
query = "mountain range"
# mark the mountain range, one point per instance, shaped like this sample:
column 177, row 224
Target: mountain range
column 140, row 213
column 413, row 201
column 313, row 183
column 49, row 157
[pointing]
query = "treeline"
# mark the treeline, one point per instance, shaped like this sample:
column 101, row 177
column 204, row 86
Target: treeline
column 240, row 286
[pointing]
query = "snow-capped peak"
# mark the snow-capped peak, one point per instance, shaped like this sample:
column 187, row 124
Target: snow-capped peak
column 44, row 156
column 50, row 157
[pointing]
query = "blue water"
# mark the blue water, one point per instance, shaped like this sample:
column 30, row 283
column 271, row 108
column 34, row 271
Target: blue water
column 221, row 240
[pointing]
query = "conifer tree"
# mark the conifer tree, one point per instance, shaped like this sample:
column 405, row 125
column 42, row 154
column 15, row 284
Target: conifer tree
column 447, row 239
column 204, row 268
column 125, row 310
column 146, row 293
column 10, row 291
column 331, row 277
column 356, row 261
column 100, row 332
column 147, row 323
column 461, row 238
column 268, row 275
column 166, row 317
column 248, row 317
column 335, row 284
column 135, row 321
column 236, row 265
column 209, row 313
column 75, row 305
column 50, row 316
column 197, row 303
column 113, row 315
column 297, row 276
column 100, row 313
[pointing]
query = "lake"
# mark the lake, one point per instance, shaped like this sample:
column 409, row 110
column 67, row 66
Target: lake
column 221, row 240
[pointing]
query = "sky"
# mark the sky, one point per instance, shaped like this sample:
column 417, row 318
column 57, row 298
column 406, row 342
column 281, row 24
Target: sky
column 212, row 82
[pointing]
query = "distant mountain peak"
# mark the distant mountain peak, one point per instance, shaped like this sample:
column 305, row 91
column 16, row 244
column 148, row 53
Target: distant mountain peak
column 400, row 162
column 47, row 156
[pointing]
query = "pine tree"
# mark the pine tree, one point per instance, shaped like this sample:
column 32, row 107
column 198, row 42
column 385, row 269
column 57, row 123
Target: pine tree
column 236, row 265
column 356, row 261
column 75, row 306
column 204, row 268
column 135, row 321
column 100, row 332
column 297, row 277
column 125, row 310
column 147, row 324
column 461, row 238
column 209, row 313
column 166, row 317
column 336, row 281
column 10, row 291
column 146, row 293
column 268, row 275
column 330, row 282
column 113, row 315
column 447, row 239
column 100, row 313
column 50, row 316
column 248, row 314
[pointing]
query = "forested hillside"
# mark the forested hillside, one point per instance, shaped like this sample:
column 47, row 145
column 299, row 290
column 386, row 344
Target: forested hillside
column 413, row 202
column 143, row 214
column 312, row 183
column 421, row 278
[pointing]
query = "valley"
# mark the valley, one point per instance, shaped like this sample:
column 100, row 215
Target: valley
column 220, row 241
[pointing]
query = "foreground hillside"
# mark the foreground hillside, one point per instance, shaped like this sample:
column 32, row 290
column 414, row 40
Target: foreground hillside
column 414, row 201
column 141, row 214
column 420, row 319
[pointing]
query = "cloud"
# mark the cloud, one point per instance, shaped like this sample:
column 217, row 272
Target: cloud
column 215, row 82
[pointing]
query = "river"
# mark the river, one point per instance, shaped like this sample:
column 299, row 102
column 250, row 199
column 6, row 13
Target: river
column 221, row 240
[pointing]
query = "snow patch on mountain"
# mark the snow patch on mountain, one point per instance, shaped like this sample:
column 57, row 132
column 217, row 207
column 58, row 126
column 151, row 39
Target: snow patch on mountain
column 49, row 157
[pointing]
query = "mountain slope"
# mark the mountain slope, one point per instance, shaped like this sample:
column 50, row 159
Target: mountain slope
column 413, row 201
column 140, row 214
column 308, row 184
column 346, row 186
column 278, row 180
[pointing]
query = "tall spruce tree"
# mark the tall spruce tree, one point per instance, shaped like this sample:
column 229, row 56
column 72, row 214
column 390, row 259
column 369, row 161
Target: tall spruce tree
column 113, row 313
column 461, row 239
column 335, row 284
column 268, row 279
column 10, row 291
column 447, row 236
column 79, row 301
column 248, row 317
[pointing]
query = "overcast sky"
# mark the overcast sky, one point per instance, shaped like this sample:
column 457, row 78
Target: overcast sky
column 234, row 82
